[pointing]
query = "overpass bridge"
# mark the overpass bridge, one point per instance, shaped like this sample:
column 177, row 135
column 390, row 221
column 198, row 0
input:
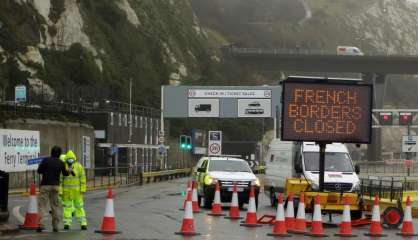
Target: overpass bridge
column 306, row 60
column 373, row 68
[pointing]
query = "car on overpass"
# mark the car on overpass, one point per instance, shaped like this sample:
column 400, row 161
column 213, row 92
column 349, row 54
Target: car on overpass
column 349, row 51
column 226, row 171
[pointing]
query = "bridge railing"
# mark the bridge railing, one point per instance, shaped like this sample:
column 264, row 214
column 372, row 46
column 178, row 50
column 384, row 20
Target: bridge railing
column 395, row 168
column 276, row 51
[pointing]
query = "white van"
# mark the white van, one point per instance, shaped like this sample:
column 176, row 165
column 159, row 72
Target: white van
column 349, row 51
column 301, row 160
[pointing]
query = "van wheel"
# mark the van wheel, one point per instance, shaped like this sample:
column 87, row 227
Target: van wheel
column 273, row 200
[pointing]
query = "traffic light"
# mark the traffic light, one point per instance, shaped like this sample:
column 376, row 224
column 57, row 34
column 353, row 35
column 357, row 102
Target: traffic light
column 405, row 118
column 188, row 143
column 385, row 118
column 183, row 141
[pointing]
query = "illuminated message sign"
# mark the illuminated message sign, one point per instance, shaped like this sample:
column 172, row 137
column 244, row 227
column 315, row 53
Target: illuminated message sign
column 326, row 112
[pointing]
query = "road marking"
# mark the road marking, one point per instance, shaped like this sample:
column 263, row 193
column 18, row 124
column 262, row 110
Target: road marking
column 17, row 215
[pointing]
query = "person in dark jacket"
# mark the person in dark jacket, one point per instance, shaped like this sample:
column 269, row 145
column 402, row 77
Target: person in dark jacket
column 51, row 170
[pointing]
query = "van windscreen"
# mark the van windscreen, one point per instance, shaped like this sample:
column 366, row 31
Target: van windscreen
column 334, row 162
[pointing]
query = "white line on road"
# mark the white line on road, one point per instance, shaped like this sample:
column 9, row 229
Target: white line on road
column 17, row 215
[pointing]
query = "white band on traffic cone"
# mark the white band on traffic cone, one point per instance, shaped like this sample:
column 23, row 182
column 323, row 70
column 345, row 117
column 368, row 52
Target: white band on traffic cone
column 194, row 194
column 317, row 213
column 251, row 207
column 188, row 213
column 376, row 214
column 290, row 212
column 408, row 214
column 301, row 211
column 109, row 211
column 234, row 202
column 33, row 204
column 346, row 213
column 280, row 212
column 217, row 199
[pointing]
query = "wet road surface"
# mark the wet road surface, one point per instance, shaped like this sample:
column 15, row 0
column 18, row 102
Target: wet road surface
column 151, row 212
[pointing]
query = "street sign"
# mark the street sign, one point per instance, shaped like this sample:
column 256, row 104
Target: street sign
column 215, row 143
column 228, row 93
column 20, row 93
column 35, row 161
column 323, row 111
column 162, row 149
column 409, row 144
column 221, row 101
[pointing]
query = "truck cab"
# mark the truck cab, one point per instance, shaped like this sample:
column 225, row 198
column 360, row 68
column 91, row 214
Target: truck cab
column 286, row 160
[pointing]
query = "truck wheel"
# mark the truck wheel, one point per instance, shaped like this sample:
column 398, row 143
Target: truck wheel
column 273, row 200
column 208, row 203
column 392, row 217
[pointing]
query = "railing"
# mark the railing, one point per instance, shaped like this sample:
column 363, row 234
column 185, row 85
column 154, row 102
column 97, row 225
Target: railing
column 298, row 51
column 395, row 167
column 278, row 51
column 100, row 177
column 73, row 109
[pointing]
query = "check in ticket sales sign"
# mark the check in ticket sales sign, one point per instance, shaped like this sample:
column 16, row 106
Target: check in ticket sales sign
column 324, row 111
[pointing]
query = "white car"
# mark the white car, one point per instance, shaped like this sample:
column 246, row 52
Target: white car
column 226, row 171
column 349, row 51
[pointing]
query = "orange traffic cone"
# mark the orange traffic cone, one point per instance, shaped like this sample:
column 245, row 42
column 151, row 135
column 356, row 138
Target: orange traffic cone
column 290, row 213
column 216, row 206
column 407, row 226
column 187, row 226
column 32, row 215
column 345, row 225
column 251, row 218
column 375, row 227
column 195, row 203
column 108, row 223
column 234, row 209
column 300, row 221
column 189, row 188
column 279, row 228
column 317, row 229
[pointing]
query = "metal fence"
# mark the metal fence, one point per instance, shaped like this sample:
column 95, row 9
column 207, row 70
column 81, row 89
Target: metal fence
column 66, row 108
column 99, row 177
column 388, row 168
